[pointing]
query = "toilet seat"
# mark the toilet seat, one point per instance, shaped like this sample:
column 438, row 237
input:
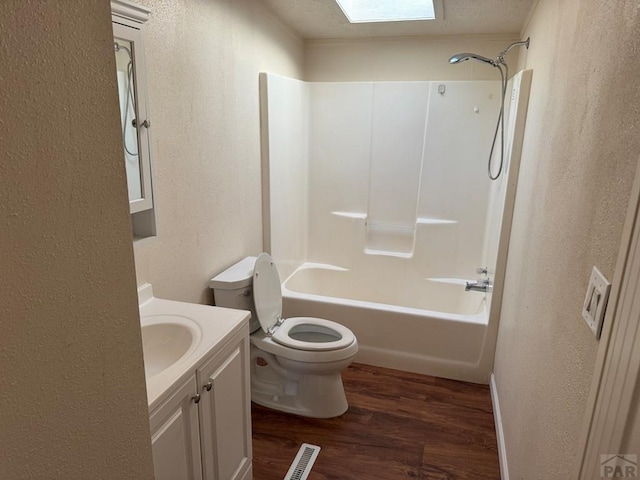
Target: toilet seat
column 301, row 333
column 267, row 344
column 329, row 335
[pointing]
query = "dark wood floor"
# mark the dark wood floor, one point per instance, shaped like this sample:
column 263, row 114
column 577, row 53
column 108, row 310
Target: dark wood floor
column 399, row 425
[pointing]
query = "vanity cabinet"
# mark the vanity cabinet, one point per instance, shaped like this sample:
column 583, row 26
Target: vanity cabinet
column 202, row 431
column 225, row 414
column 175, row 436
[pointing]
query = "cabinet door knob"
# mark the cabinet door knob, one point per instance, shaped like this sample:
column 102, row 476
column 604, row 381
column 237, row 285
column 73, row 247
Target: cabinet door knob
column 208, row 386
column 196, row 398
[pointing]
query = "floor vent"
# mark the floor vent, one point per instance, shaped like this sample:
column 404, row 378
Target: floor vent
column 303, row 462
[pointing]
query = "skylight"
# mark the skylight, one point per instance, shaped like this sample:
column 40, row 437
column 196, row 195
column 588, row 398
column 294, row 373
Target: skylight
column 364, row 11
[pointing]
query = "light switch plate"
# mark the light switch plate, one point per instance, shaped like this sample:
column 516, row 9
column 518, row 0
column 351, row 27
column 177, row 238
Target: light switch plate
column 595, row 303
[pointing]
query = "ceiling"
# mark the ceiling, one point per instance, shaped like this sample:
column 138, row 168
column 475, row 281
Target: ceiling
column 322, row 19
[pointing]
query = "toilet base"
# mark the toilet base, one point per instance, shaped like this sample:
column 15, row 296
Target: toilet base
column 305, row 394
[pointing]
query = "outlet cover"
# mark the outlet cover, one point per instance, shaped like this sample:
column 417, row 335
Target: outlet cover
column 595, row 303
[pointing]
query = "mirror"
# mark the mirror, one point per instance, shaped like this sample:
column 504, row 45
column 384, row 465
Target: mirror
column 127, row 99
column 128, row 21
column 128, row 47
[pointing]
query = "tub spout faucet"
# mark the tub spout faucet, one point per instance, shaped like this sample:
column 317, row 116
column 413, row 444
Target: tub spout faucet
column 482, row 285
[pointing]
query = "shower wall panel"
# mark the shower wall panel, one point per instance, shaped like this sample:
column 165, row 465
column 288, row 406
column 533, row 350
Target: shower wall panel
column 397, row 144
column 455, row 188
column 285, row 165
column 339, row 160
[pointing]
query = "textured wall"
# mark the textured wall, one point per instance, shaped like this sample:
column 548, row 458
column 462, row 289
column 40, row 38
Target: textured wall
column 581, row 148
column 72, row 395
column 204, row 57
column 404, row 58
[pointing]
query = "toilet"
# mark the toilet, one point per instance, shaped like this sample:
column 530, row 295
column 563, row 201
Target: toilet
column 296, row 363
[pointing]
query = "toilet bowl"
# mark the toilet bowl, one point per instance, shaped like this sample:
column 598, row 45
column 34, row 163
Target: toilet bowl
column 296, row 363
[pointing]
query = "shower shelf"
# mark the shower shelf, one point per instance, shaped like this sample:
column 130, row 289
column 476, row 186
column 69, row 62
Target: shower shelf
column 390, row 240
column 387, row 253
column 354, row 215
column 434, row 221
column 419, row 220
column 450, row 281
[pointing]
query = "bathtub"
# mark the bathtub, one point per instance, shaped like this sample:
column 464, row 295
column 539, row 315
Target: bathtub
column 432, row 327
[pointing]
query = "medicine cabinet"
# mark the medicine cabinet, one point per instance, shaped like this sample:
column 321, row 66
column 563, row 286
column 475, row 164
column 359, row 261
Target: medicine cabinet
column 128, row 20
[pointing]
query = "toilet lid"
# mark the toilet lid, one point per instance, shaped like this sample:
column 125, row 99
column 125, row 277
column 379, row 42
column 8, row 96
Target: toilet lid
column 267, row 292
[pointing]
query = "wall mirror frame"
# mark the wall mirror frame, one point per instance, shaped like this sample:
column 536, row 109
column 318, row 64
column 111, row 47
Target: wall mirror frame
column 128, row 21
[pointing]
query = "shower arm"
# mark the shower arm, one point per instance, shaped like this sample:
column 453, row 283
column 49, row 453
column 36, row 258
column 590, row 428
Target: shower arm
column 501, row 55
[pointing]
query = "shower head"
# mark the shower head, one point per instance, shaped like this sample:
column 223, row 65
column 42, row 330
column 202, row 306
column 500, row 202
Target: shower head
column 463, row 57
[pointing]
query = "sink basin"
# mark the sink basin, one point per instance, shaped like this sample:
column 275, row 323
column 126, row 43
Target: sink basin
column 177, row 337
column 165, row 340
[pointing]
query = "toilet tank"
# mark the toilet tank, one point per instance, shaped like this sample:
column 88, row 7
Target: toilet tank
column 233, row 288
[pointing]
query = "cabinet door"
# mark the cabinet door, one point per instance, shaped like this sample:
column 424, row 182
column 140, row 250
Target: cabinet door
column 175, row 436
column 225, row 413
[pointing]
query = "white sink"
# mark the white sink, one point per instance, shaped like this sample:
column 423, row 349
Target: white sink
column 176, row 337
column 166, row 339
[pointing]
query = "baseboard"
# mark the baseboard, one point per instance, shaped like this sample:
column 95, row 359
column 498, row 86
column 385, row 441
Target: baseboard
column 497, row 417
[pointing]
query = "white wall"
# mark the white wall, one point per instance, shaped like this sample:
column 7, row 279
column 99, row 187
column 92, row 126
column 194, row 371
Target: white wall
column 580, row 153
column 72, row 390
column 403, row 58
column 204, row 57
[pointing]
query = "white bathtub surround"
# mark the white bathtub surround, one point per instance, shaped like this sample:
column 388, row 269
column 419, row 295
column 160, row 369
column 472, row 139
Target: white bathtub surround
column 398, row 197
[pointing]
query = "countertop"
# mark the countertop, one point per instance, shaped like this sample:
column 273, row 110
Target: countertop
column 215, row 325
